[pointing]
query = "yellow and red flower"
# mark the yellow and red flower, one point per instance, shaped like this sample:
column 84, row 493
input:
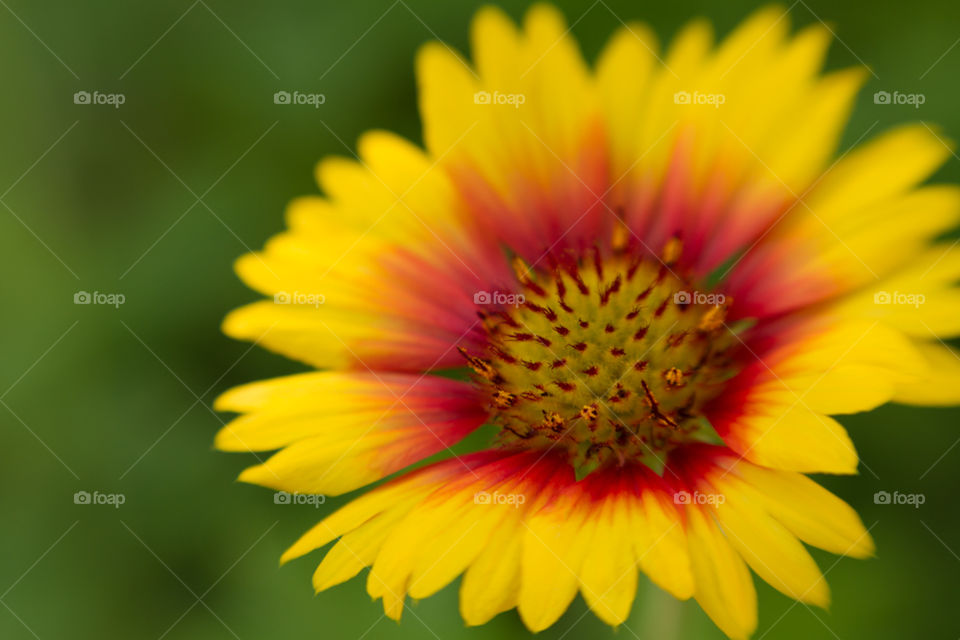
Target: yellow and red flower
column 662, row 287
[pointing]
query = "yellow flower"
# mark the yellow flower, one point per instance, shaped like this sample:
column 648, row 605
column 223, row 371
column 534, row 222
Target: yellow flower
column 660, row 285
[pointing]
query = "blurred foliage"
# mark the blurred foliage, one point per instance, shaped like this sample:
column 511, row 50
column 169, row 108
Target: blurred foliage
column 156, row 198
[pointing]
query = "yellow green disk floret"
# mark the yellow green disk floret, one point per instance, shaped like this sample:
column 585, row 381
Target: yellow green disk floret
column 608, row 357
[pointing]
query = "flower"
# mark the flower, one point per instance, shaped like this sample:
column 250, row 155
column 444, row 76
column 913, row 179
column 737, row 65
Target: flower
column 661, row 286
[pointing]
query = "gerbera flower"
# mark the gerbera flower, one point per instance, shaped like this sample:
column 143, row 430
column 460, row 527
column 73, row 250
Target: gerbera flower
column 660, row 285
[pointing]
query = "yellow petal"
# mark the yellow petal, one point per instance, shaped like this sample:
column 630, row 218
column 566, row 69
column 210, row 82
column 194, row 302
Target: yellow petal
column 922, row 299
column 555, row 543
column 320, row 466
column 491, row 584
column 794, row 438
column 940, row 385
column 608, row 579
column 446, row 90
column 851, row 366
column 624, row 71
column 343, row 430
column 771, row 551
column 660, row 544
column 400, row 494
column 355, row 551
column 806, row 509
column 724, row 587
column 884, row 167
column 456, row 545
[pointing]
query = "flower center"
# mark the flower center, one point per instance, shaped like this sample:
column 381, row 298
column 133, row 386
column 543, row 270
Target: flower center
column 608, row 356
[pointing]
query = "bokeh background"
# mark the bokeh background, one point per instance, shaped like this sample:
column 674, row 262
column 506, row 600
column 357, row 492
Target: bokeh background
column 154, row 199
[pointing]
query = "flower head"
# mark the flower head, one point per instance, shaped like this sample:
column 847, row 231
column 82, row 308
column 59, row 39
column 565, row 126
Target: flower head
column 651, row 277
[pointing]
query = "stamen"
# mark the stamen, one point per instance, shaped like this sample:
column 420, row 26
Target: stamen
column 714, row 318
column 589, row 412
column 598, row 263
column 672, row 251
column 552, row 420
column 655, row 410
column 522, row 271
column 481, row 367
column 613, row 288
column 503, row 399
column 673, row 376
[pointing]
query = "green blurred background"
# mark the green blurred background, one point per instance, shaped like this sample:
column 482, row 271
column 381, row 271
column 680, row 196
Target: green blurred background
column 154, row 200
